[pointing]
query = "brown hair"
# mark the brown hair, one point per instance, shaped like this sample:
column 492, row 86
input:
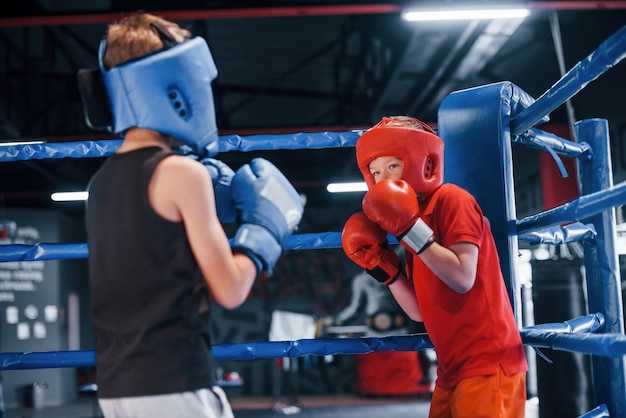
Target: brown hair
column 134, row 37
column 404, row 122
column 407, row 121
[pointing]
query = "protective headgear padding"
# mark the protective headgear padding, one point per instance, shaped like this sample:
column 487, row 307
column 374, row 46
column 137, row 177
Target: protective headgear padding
column 168, row 91
column 421, row 152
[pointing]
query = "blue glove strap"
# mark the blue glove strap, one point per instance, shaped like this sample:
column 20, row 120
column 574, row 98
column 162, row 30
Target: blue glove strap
column 258, row 243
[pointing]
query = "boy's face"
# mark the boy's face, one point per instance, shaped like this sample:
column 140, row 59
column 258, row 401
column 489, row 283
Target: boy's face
column 386, row 168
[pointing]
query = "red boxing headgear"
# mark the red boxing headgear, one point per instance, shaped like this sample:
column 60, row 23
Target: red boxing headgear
column 420, row 150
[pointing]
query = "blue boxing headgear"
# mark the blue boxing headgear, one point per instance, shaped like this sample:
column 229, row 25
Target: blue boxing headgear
column 167, row 91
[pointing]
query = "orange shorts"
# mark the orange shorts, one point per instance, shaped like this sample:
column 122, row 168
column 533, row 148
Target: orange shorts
column 492, row 396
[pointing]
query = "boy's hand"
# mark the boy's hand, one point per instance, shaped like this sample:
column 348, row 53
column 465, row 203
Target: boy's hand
column 393, row 205
column 365, row 243
column 270, row 210
column 222, row 175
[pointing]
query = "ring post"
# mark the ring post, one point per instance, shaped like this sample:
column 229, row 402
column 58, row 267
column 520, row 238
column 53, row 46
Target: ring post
column 478, row 119
column 601, row 264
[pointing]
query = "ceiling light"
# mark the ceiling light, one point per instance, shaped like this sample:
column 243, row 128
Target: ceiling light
column 414, row 15
column 11, row 144
column 346, row 187
column 69, row 196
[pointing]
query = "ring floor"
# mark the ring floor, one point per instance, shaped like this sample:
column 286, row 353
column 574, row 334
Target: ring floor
column 306, row 407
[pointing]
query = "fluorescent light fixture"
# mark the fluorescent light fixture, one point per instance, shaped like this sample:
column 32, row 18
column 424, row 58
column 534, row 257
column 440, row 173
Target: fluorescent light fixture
column 414, row 15
column 346, row 187
column 69, row 196
column 10, row 144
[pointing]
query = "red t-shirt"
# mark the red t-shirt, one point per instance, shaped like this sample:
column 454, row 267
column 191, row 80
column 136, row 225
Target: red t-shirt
column 473, row 333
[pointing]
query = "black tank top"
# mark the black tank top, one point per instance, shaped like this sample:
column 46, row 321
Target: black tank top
column 150, row 306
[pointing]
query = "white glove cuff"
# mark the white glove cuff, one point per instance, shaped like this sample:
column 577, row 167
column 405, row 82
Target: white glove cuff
column 419, row 237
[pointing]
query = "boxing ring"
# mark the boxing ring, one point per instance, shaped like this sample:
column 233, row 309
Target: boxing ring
column 489, row 118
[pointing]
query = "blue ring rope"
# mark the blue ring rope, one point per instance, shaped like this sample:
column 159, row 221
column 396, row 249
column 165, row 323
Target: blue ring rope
column 54, row 251
column 574, row 335
column 104, row 147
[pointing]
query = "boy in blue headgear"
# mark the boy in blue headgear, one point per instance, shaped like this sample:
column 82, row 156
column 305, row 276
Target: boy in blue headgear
column 158, row 253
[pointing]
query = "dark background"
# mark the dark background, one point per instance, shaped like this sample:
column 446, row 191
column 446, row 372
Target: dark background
column 295, row 66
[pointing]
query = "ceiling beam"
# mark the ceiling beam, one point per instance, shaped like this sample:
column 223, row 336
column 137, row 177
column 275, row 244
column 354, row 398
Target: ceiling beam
column 265, row 12
column 237, row 13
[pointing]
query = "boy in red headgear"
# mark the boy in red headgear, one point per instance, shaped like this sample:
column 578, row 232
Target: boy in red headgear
column 453, row 280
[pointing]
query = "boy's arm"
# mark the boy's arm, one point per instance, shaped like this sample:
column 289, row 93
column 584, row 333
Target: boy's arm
column 182, row 190
column 403, row 292
column 455, row 266
column 365, row 243
column 393, row 205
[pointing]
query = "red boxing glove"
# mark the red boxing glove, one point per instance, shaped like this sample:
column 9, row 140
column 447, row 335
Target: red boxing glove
column 393, row 205
column 366, row 244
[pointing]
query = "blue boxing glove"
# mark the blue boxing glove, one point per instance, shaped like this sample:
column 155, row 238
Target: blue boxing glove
column 222, row 175
column 270, row 209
